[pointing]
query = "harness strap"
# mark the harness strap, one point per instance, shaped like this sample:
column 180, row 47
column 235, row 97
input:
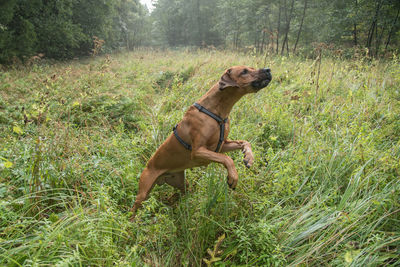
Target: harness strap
column 209, row 113
column 221, row 136
column 220, row 121
column 186, row 145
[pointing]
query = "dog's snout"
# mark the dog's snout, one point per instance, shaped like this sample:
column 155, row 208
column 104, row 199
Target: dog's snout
column 266, row 70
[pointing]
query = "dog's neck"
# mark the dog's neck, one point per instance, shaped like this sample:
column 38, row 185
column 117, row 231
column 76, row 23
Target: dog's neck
column 218, row 101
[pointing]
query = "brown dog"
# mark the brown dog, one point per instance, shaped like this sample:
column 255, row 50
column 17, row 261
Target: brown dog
column 200, row 137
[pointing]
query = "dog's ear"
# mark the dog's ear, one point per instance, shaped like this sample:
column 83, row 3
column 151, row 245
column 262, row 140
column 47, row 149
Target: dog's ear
column 227, row 81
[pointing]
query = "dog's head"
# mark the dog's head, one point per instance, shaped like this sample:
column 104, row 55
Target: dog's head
column 246, row 79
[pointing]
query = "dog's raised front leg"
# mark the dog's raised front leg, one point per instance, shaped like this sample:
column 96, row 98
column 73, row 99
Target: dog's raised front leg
column 204, row 153
column 244, row 146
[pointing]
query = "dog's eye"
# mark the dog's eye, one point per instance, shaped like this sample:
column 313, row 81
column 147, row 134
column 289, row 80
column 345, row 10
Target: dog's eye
column 245, row 71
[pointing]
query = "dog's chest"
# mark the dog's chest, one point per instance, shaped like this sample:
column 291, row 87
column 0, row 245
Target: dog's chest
column 215, row 137
column 227, row 128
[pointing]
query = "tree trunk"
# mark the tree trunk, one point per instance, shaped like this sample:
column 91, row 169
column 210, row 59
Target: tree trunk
column 262, row 42
column 288, row 19
column 200, row 38
column 287, row 45
column 127, row 40
column 301, row 26
column 355, row 34
column 373, row 26
column 378, row 40
column 391, row 29
column 256, row 42
column 355, row 25
column 278, row 27
column 237, row 40
column 269, row 36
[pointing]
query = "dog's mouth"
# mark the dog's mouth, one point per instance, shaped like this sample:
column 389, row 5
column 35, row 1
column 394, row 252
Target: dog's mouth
column 263, row 81
column 260, row 84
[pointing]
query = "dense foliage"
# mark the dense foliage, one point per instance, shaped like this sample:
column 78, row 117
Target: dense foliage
column 66, row 29
column 71, row 28
column 280, row 26
column 74, row 137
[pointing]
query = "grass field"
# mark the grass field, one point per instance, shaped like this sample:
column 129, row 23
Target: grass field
column 75, row 137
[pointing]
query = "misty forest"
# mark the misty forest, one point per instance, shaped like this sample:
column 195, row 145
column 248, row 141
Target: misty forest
column 90, row 89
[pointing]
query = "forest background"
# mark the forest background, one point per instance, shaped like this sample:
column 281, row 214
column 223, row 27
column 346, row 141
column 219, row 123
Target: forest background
column 71, row 28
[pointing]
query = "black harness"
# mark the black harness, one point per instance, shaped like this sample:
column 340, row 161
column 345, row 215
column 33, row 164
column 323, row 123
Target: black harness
column 220, row 121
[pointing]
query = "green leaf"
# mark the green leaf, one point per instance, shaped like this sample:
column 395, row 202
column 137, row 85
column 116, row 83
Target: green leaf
column 8, row 164
column 17, row 130
column 348, row 257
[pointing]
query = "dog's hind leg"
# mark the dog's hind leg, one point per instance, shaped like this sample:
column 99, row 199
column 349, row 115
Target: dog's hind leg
column 177, row 180
column 146, row 183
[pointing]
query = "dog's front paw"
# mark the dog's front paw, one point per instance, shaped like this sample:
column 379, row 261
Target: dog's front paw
column 248, row 160
column 246, row 163
column 248, row 157
column 232, row 183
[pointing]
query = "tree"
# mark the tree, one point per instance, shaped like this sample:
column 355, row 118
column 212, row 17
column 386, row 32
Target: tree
column 65, row 28
column 301, row 26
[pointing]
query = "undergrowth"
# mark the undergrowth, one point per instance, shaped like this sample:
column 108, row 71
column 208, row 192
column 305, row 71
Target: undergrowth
column 324, row 189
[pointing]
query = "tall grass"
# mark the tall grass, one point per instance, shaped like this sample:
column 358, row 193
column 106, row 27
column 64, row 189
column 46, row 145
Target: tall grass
column 324, row 189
